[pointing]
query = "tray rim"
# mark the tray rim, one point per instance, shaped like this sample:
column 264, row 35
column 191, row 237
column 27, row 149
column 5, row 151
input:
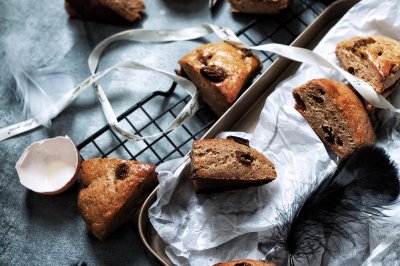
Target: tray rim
column 327, row 16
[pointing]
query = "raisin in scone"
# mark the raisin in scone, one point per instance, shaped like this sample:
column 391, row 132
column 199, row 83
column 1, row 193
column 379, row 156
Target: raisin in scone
column 113, row 11
column 374, row 59
column 245, row 262
column 227, row 164
column 220, row 72
column 258, row 6
column 115, row 189
column 335, row 113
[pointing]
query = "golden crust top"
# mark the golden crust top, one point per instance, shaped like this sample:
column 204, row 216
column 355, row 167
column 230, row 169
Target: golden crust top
column 114, row 190
column 237, row 64
column 335, row 113
column 380, row 53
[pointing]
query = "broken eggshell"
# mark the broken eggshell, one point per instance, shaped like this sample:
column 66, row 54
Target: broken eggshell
column 49, row 166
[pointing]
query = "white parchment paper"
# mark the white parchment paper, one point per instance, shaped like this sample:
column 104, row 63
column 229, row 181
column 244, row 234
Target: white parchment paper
column 209, row 228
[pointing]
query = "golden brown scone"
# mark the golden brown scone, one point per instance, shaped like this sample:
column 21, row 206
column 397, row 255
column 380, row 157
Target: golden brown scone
column 113, row 11
column 335, row 113
column 226, row 164
column 375, row 59
column 245, row 262
column 115, row 189
column 258, row 6
column 220, row 72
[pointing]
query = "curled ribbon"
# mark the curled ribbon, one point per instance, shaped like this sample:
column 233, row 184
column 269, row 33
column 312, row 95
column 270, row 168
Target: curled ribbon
column 142, row 35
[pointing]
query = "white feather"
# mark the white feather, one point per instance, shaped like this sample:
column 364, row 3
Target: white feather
column 39, row 86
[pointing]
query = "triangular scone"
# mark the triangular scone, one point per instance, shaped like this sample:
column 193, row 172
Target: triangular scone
column 115, row 189
column 375, row 59
column 220, row 72
column 225, row 164
column 335, row 113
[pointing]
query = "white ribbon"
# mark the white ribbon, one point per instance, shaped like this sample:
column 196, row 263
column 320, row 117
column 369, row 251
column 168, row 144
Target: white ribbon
column 187, row 112
column 141, row 35
column 149, row 36
column 307, row 56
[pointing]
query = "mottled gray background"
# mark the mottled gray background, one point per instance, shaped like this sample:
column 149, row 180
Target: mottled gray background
column 48, row 230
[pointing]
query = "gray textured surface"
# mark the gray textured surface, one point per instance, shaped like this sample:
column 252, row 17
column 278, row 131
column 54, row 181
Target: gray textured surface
column 48, row 230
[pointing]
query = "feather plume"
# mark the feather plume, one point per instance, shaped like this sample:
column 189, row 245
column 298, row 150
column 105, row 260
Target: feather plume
column 362, row 185
column 40, row 87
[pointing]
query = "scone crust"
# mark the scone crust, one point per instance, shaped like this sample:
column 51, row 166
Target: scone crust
column 379, row 55
column 245, row 262
column 238, row 64
column 128, row 9
column 109, row 199
column 352, row 118
column 258, row 6
column 113, row 11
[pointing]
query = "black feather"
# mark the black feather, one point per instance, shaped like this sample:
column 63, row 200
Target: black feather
column 363, row 183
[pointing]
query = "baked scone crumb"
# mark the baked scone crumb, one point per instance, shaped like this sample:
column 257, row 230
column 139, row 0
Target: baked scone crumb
column 224, row 164
column 335, row 113
column 374, row 59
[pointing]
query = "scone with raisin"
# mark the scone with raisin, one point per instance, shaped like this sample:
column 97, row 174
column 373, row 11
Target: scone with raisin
column 227, row 164
column 115, row 188
column 335, row 113
column 220, row 71
column 374, row 59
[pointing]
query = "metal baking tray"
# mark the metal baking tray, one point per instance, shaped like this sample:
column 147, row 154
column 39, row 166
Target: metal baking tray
column 242, row 118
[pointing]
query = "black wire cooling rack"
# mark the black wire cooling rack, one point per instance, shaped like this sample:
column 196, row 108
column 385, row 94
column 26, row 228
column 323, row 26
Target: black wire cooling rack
column 282, row 28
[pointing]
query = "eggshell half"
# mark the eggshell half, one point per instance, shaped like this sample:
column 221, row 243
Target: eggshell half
column 49, row 166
